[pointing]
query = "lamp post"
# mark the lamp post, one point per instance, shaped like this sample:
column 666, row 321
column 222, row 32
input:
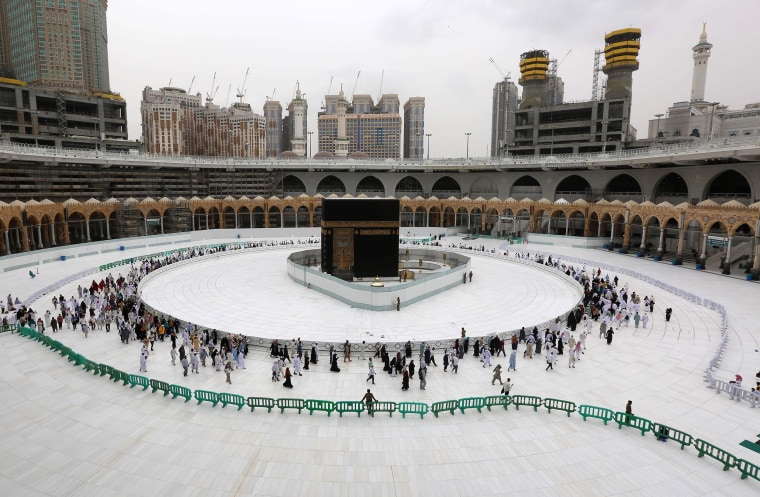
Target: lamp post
column 657, row 135
column 712, row 116
column 428, row 147
column 468, row 144
column 310, row 149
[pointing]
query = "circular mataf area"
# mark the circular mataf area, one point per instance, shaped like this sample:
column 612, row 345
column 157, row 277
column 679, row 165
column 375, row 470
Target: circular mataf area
column 245, row 293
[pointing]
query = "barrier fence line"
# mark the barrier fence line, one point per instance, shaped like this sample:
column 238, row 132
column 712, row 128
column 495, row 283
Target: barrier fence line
column 659, row 430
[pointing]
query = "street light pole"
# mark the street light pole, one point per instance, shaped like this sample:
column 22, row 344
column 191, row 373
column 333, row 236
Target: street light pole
column 657, row 135
column 468, row 144
column 310, row 149
column 428, row 137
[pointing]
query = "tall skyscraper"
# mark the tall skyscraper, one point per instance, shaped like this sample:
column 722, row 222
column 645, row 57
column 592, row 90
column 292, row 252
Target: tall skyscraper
column 414, row 128
column 56, row 43
column 273, row 116
column 503, row 117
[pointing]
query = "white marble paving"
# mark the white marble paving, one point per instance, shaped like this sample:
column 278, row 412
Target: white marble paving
column 64, row 432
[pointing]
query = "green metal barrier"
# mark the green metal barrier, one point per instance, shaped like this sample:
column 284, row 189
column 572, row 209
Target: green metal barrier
column 384, row 406
column 312, row 405
column 497, row 400
column 728, row 460
column 412, row 408
column 631, row 421
column 559, row 405
column 444, row 405
column 587, row 411
column 137, row 380
column 157, row 385
column 232, row 398
column 206, row 396
column 356, row 406
column 746, row 468
column 662, row 431
column 180, row 391
column 283, row 404
column 470, row 403
column 527, row 400
column 265, row 402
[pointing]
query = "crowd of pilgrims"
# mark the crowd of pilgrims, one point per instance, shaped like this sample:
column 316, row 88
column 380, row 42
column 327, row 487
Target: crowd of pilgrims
column 112, row 304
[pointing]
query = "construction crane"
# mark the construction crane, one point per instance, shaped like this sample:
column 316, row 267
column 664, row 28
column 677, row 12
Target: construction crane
column 505, row 76
column 380, row 93
column 190, row 88
column 212, row 93
column 595, row 78
column 227, row 100
column 273, row 93
column 329, row 87
column 355, row 83
column 241, row 91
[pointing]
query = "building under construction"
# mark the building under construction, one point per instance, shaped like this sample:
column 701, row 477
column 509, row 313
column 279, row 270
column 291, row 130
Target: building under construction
column 545, row 125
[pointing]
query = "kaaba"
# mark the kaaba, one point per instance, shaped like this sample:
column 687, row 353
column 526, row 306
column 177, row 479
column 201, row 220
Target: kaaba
column 360, row 237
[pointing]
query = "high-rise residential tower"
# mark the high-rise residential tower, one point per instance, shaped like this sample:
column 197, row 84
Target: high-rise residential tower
column 59, row 44
column 503, row 117
column 273, row 116
column 414, row 128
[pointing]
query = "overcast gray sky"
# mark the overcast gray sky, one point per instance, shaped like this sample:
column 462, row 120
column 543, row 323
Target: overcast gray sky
column 435, row 49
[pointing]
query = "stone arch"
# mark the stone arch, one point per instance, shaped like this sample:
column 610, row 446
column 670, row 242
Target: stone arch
column 408, row 186
column 623, row 187
column 98, row 226
column 484, row 187
column 244, row 217
column 371, row 186
column 635, row 231
column 446, row 187
column 526, row 186
column 152, row 222
column 258, row 217
column 292, row 185
column 475, row 219
column 743, row 229
column 229, row 217
column 577, row 222
column 572, row 188
column 462, row 216
column 558, row 223
column 671, row 188
column 77, row 227
column 318, row 216
column 407, row 216
column 420, row 216
column 214, row 218
column 491, row 219
column 449, row 217
column 302, row 217
column 200, row 221
column 274, row 216
column 434, row 216
column 329, row 185
column 728, row 185
column 16, row 235
column 289, row 217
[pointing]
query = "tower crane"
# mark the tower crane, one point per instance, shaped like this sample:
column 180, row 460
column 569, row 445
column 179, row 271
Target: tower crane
column 212, row 92
column 380, row 93
column 241, row 91
column 227, row 100
column 505, row 76
column 189, row 88
column 329, row 87
column 355, row 83
column 273, row 93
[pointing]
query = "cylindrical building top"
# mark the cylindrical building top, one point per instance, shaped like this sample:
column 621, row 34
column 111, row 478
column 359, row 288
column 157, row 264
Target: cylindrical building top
column 534, row 65
column 621, row 49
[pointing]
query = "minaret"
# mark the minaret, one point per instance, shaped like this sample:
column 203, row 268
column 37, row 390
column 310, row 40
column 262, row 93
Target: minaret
column 299, row 141
column 341, row 141
column 699, row 77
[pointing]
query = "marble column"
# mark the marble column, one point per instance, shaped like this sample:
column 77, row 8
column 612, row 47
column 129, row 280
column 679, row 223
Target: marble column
column 8, row 243
column 52, row 234
column 661, row 245
column 643, row 245
column 726, row 262
column 39, row 236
